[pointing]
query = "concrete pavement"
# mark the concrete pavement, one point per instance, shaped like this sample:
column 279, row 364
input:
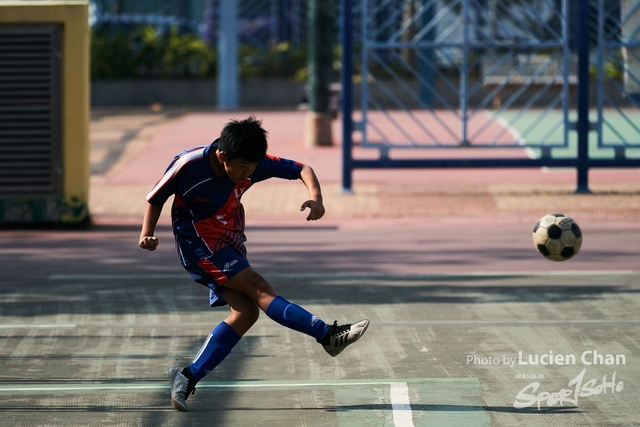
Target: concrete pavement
column 441, row 262
column 131, row 149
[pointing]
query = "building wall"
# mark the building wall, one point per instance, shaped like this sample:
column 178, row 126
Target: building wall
column 75, row 92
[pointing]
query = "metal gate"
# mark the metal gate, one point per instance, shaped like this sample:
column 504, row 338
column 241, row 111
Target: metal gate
column 618, row 70
column 491, row 74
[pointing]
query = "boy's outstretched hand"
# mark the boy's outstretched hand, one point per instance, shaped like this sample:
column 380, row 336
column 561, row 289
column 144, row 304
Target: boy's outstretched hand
column 316, row 209
column 149, row 243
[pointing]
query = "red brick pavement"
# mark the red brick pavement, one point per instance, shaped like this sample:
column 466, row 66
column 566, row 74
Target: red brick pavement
column 463, row 193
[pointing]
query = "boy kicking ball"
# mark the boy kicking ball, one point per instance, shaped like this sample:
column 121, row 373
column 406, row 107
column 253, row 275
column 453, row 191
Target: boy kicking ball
column 208, row 225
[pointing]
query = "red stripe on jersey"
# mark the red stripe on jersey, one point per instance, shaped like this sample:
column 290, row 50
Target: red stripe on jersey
column 214, row 271
column 226, row 228
column 277, row 159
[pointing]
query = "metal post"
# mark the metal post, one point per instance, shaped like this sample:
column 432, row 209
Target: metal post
column 228, row 55
column 317, row 129
column 186, row 10
column 427, row 57
column 285, row 23
column 364, row 69
column 346, row 83
column 320, row 55
column 466, row 21
column 583, row 98
column 566, row 61
column 600, row 84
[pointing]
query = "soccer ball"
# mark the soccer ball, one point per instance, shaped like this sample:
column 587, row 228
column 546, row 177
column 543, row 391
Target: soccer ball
column 557, row 237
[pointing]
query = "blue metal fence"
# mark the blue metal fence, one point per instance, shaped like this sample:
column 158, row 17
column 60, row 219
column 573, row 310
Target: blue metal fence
column 261, row 23
column 473, row 73
column 462, row 65
column 618, row 52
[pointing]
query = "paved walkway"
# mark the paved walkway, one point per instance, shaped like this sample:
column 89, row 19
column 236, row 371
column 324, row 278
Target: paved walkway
column 131, row 148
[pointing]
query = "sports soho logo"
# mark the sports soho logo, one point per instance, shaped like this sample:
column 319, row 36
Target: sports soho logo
column 524, row 399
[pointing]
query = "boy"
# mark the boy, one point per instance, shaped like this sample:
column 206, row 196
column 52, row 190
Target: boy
column 208, row 225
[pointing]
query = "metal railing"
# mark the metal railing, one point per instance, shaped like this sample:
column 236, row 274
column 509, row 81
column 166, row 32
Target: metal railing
column 491, row 74
column 618, row 66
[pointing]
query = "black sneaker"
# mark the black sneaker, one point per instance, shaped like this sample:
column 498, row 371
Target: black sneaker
column 181, row 388
column 340, row 336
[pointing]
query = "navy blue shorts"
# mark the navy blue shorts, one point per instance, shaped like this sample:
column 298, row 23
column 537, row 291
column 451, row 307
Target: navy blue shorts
column 215, row 271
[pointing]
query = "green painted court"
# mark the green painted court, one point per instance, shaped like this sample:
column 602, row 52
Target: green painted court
column 390, row 402
column 619, row 128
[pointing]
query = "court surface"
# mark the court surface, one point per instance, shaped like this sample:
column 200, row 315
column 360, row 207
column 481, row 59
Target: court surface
column 90, row 329
column 442, row 263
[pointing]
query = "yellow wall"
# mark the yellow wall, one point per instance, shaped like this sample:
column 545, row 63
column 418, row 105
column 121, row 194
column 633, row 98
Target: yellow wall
column 74, row 16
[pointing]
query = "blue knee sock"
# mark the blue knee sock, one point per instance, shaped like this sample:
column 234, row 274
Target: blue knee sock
column 217, row 346
column 297, row 318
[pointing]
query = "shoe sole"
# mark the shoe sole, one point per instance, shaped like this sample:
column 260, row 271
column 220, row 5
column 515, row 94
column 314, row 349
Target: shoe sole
column 177, row 405
column 364, row 329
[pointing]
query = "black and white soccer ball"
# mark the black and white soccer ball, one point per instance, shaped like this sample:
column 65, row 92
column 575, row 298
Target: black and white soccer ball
column 557, row 237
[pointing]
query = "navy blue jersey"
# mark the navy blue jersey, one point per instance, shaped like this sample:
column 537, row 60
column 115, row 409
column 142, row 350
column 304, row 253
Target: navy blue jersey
column 207, row 214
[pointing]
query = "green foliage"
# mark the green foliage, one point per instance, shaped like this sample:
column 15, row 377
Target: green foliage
column 278, row 61
column 172, row 54
column 611, row 71
column 612, row 67
column 302, row 74
column 111, row 56
column 147, row 53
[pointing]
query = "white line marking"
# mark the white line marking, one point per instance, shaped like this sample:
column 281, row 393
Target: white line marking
column 338, row 276
column 505, row 322
column 400, row 405
column 38, row 325
column 71, row 277
column 505, row 124
column 96, row 387
column 294, row 384
column 390, row 323
column 397, row 398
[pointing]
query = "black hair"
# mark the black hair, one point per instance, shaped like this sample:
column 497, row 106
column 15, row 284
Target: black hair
column 244, row 139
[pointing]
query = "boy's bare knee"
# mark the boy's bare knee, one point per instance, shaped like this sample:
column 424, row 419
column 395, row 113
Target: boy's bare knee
column 253, row 285
column 243, row 316
column 251, row 313
column 243, row 308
